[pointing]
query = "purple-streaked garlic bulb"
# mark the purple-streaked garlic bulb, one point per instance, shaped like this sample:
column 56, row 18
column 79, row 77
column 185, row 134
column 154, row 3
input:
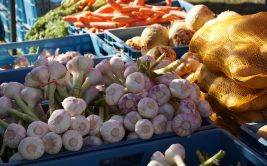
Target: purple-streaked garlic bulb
column 148, row 83
column 185, row 124
column 92, row 78
column 142, row 94
column 15, row 157
column 175, row 154
column 158, row 156
column 148, row 108
column 95, row 124
column 112, row 131
column 118, row 118
column 160, row 93
column 67, row 56
column 159, row 124
column 52, row 143
column 73, row 105
column 144, row 129
column 196, row 93
column 128, row 102
column 169, row 127
column 180, row 88
column 187, row 106
column 72, row 140
column 130, row 63
column 80, row 64
column 13, row 135
column 56, row 70
column 81, row 124
column 21, row 61
column 90, row 94
column 31, row 148
column 59, row 121
column 166, row 78
column 167, row 110
column 32, row 96
column 145, row 58
column 117, row 66
column 39, row 74
column 155, row 163
column 129, row 70
column 135, row 82
column 113, row 93
column 130, row 120
column 31, row 82
column 106, row 81
column 5, row 103
column 92, row 141
column 37, row 129
column 132, row 135
column 13, row 90
column 163, row 64
column 204, row 108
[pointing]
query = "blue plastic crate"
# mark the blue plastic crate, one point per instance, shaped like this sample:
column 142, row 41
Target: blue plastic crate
column 118, row 37
column 86, row 43
column 248, row 135
column 37, row 8
column 139, row 153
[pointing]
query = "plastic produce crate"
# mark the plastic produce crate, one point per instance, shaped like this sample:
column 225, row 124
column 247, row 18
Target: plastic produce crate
column 86, row 43
column 139, row 153
column 249, row 136
column 118, row 37
column 37, row 8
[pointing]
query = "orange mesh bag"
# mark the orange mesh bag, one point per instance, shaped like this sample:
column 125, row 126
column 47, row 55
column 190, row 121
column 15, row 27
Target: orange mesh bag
column 237, row 46
column 230, row 94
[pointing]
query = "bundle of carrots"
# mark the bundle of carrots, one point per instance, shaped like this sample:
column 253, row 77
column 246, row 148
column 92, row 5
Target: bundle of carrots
column 125, row 13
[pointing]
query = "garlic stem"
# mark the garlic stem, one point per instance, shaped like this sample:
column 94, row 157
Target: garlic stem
column 62, row 91
column 163, row 56
column 51, row 97
column 179, row 160
column 25, row 108
column 77, row 83
column 200, row 156
column 102, row 113
column 214, row 159
column 22, row 116
column 3, row 124
column 168, row 68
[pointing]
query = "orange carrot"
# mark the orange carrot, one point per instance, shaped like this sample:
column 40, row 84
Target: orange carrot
column 114, row 5
column 168, row 2
column 104, row 16
column 130, row 9
column 90, row 2
column 166, row 8
column 149, row 12
column 71, row 18
column 124, row 19
column 105, row 25
column 181, row 14
column 168, row 17
column 105, row 9
column 79, row 25
column 139, row 2
column 148, row 21
column 90, row 19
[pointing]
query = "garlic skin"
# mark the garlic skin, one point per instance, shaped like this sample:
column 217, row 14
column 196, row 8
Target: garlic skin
column 148, row 83
column 81, row 124
column 144, row 129
column 132, row 135
column 95, row 124
column 31, row 96
column 80, row 64
column 128, row 102
column 167, row 110
column 145, row 58
column 148, row 108
column 13, row 135
column 13, row 89
column 185, row 124
column 118, row 118
column 37, row 129
column 31, row 148
column 56, row 70
column 169, row 127
column 196, row 93
column 105, row 68
column 72, row 140
column 129, row 70
column 187, row 106
column 52, row 143
column 160, row 93
column 175, row 154
column 112, row 131
column 163, row 64
column 135, row 82
column 5, row 104
column 73, row 105
column 92, row 141
column 117, row 66
column 167, row 78
column 159, row 124
column 154, row 163
column 158, row 156
column 39, row 74
column 180, row 88
column 204, row 108
column 15, row 157
column 93, row 77
column 130, row 120
column 59, row 121
column 113, row 93
column 90, row 94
